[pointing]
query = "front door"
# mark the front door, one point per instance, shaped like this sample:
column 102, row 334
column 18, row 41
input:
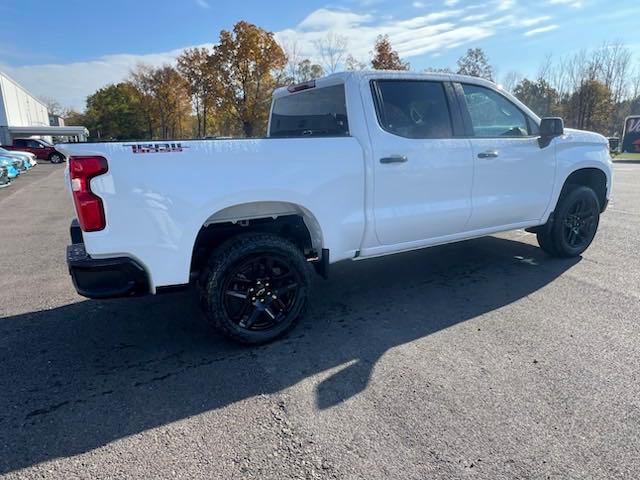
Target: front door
column 422, row 172
column 513, row 176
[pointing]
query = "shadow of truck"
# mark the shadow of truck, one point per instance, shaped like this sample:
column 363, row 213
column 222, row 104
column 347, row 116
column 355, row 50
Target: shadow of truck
column 77, row 377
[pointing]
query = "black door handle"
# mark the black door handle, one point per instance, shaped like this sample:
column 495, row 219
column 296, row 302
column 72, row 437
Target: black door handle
column 489, row 154
column 394, row 159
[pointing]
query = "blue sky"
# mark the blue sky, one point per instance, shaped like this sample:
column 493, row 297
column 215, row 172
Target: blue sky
column 67, row 49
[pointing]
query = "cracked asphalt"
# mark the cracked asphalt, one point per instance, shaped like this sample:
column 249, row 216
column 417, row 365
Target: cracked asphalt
column 484, row 359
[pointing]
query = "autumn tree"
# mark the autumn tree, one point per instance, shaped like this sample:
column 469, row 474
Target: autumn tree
column 590, row 107
column 511, row 80
column 385, row 57
column 53, row 106
column 353, row 64
column 247, row 59
column 307, row 70
column 476, row 64
column 163, row 100
column 332, row 50
column 141, row 77
column 198, row 71
column 171, row 98
column 74, row 118
column 539, row 96
column 298, row 68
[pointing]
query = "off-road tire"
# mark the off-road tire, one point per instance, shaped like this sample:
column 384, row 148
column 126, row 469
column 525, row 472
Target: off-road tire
column 553, row 237
column 221, row 264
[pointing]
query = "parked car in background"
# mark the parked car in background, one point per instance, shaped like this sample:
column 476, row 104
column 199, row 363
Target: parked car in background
column 29, row 157
column 41, row 149
column 5, row 181
column 10, row 164
column 22, row 164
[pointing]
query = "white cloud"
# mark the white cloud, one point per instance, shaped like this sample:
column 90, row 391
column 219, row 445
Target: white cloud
column 505, row 4
column 203, row 3
column 537, row 31
column 325, row 19
column 71, row 83
column 451, row 3
column 419, row 4
column 571, row 3
column 530, row 22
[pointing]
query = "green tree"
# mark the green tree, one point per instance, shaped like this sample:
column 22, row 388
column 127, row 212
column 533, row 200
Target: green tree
column 246, row 60
column 385, row 57
column 476, row 64
column 113, row 113
column 539, row 96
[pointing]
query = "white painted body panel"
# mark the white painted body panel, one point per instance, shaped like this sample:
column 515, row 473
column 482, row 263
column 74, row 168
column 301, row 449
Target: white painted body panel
column 156, row 203
column 515, row 186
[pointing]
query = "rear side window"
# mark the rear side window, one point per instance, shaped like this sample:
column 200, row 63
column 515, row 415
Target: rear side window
column 413, row 109
column 318, row 112
column 19, row 143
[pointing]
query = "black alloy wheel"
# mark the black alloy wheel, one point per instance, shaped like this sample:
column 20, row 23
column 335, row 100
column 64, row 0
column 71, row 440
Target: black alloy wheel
column 579, row 225
column 260, row 292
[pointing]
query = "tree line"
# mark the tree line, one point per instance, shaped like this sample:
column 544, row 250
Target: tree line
column 225, row 90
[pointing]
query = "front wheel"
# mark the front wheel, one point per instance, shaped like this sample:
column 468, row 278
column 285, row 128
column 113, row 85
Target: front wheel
column 254, row 288
column 56, row 157
column 574, row 225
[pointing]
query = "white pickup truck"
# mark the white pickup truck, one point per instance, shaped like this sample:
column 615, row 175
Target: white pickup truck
column 356, row 165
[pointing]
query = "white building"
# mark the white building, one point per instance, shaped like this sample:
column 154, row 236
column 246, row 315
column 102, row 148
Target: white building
column 22, row 115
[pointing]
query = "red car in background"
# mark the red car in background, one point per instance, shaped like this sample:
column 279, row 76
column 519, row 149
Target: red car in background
column 41, row 149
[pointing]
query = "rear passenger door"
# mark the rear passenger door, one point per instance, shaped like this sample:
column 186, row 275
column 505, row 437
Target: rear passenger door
column 513, row 176
column 422, row 165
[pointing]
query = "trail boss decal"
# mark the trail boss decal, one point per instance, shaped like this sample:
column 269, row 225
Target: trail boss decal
column 631, row 139
column 155, row 147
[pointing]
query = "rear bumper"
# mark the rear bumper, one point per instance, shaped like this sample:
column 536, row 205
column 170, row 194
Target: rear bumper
column 103, row 277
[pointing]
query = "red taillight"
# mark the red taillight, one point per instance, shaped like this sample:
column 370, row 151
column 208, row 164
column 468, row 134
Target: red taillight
column 88, row 205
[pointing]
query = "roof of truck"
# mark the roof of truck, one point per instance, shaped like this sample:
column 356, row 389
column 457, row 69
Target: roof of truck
column 342, row 77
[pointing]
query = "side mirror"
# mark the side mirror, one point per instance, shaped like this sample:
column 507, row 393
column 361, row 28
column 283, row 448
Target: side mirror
column 550, row 128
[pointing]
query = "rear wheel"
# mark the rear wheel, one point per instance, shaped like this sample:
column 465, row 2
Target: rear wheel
column 574, row 224
column 56, row 157
column 254, row 288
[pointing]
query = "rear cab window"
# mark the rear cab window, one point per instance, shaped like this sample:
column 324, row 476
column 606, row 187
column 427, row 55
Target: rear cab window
column 413, row 108
column 315, row 112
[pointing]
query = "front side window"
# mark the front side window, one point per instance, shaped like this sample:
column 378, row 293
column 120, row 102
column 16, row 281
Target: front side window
column 492, row 115
column 413, row 109
column 34, row 144
column 317, row 112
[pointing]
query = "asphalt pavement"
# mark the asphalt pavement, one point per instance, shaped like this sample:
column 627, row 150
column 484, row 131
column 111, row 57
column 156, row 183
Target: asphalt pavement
column 484, row 359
